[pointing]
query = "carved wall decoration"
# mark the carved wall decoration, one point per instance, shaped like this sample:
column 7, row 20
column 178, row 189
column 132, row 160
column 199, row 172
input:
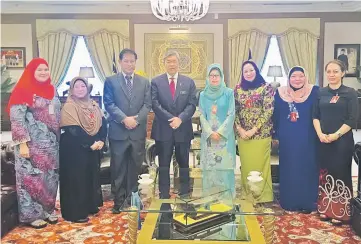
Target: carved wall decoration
column 195, row 50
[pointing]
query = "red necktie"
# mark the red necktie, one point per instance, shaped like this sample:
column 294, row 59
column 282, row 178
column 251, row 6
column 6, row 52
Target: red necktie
column 172, row 87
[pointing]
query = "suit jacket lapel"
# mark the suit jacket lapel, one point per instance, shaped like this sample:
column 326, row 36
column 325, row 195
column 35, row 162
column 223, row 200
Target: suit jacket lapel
column 178, row 88
column 123, row 85
column 136, row 87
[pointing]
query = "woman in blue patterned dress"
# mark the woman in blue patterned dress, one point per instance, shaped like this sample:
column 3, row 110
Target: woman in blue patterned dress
column 35, row 116
column 218, row 148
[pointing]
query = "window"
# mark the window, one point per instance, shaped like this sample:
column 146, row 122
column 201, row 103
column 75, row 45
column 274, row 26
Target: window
column 273, row 57
column 81, row 58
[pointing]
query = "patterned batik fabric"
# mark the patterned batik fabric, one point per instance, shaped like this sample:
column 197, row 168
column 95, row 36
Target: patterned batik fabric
column 37, row 176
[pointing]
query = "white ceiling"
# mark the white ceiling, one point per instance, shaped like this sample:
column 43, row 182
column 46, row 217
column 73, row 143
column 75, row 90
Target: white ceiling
column 143, row 6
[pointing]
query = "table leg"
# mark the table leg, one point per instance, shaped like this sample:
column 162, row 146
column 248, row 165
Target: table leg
column 194, row 158
column 269, row 228
column 132, row 225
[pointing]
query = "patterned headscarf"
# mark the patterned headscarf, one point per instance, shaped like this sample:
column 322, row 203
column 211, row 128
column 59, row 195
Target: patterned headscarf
column 83, row 112
column 289, row 95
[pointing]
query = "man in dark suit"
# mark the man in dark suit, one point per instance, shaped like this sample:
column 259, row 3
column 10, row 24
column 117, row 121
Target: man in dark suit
column 343, row 57
column 174, row 103
column 127, row 100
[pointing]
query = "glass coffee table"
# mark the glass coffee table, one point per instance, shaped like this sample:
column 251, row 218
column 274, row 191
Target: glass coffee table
column 212, row 214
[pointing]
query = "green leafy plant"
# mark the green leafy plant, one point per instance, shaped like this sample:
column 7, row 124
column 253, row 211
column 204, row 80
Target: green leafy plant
column 6, row 81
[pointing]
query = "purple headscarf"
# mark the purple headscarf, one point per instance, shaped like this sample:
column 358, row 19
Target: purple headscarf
column 257, row 82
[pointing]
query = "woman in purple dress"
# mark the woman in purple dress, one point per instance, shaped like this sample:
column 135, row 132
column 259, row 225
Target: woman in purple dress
column 35, row 116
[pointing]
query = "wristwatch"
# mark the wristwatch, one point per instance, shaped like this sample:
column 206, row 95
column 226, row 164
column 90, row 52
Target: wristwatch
column 339, row 134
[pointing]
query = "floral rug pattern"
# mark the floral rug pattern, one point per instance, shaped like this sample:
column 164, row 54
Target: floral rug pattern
column 105, row 227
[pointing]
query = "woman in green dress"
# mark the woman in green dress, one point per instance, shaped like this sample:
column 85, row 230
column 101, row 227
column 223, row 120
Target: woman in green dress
column 254, row 109
column 218, row 148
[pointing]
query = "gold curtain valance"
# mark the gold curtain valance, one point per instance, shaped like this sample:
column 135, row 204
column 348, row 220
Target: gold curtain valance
column 90, row 35
column 275, row 26
column 299, row 31
column 247, row 32
column 278, row 35
column 83, row 27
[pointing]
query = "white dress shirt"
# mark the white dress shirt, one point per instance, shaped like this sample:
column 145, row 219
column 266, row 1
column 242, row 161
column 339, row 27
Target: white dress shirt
column 131, row 77
column 175, row 79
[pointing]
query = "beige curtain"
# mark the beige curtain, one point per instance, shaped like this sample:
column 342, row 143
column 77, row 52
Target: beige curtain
column 57, row 48
column 299, row 48
column 104, row 48
column 239, row 46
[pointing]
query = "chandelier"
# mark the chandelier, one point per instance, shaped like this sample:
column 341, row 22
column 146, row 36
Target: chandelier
column 188, row 10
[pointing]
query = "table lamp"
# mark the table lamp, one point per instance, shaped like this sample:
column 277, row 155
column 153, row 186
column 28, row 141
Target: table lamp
column 274, row 71
column 86, row 72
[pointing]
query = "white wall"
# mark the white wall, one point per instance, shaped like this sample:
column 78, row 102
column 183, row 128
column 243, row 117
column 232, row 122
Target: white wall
column 341, row 33
column 17, row 35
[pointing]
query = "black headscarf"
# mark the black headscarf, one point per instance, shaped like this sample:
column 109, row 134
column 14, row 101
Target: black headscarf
column 257, row 82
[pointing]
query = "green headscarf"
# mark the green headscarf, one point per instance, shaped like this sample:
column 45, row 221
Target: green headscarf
column 214, row 92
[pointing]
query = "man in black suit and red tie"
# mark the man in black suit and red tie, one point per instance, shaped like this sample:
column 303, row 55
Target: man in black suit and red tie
column 174, row 103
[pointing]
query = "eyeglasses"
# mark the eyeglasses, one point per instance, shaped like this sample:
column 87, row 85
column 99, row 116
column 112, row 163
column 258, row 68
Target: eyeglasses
column 214, row 76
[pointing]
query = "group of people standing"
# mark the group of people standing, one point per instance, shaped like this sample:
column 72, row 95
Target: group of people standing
column 36, row 119
column 313, row 127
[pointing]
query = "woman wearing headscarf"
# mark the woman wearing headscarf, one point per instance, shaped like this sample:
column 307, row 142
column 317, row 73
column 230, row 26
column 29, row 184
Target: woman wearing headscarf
column 218, row 149
column 84, row 133
column 292, row 117
column 335, row 114
column 35, row 115
column 254, row 109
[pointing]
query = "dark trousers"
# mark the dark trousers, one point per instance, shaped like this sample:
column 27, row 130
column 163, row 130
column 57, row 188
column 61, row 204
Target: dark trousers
column 165, row 151
column 125, row 164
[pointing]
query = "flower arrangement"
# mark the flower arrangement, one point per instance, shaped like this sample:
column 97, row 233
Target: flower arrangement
column 141, row 73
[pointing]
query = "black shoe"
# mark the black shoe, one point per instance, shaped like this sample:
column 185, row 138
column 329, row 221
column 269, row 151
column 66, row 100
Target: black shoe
column 81, row 220
column 164, row 196
column 115, row 210
column 304, row 211
column 94, row 211
column 52, row 220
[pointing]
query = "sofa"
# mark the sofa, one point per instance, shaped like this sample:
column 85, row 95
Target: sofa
column 9, row 204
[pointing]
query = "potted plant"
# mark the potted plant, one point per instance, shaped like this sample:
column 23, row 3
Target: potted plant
column 6, row 87
column 6, row 81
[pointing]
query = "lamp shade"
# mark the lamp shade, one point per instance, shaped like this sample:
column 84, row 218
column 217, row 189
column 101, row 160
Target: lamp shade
column 86, row 72
column 274, row 71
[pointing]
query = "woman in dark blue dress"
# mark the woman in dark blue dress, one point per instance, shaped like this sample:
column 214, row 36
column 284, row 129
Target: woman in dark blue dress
column 298, row 169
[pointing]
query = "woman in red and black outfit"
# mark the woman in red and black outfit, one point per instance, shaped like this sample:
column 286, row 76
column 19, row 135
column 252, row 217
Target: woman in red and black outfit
column 335, row 113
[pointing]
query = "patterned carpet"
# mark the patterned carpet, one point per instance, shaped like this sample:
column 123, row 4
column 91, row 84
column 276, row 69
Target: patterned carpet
column 106, row 227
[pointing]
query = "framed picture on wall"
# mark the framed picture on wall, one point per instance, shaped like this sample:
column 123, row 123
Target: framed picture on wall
column 13, row 57
column 349, row 54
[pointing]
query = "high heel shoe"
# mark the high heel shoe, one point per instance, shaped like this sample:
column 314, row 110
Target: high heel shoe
column 336, row 222
column 324, row 217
